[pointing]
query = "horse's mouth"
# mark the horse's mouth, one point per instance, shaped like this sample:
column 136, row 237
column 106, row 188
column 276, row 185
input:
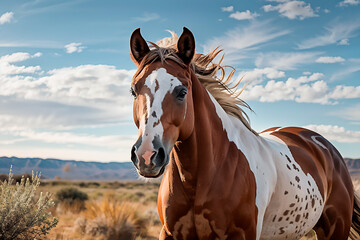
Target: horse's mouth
column 151, row 174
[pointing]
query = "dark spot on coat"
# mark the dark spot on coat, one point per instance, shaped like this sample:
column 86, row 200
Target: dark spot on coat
column 297, row 179
column 312, row 202
column 154, row 114
column 292, row 204
column 286, row 192
column 281, row 230
column 297, row 218
column 297, row 169
column 287, row 157
column 286, row 212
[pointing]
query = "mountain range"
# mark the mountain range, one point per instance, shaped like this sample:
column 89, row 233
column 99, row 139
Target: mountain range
column 69, row 169
column 82, row 170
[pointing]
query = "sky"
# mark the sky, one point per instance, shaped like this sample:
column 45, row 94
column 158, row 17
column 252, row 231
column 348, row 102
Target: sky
column 65, row 70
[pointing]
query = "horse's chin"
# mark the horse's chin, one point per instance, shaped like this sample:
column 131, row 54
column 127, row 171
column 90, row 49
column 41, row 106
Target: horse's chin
column 153, row 174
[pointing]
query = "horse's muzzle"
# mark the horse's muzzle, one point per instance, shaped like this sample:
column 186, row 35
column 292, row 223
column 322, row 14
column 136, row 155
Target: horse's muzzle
column 149, row 162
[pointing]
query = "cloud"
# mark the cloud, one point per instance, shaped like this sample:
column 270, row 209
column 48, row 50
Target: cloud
column 337, row 32
column 238, row 40
column 343, row 92
column 330, row 59
column 8, row 68
column 74, row 47
column 344, row 41
column 349, row 113
column 336, row 133
column 310, row 89
column 227, row 9
column 257, row 75
column 285, row 61
column 72, row 94
column 147, row 17
column 6, row 17
column 352, row 65
column 244, row 15
column 346, row 3
column 292, row 9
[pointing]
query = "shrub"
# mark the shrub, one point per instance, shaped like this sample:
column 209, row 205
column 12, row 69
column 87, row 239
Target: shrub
column 111, row 219
column 71, row 199
column 22, row 214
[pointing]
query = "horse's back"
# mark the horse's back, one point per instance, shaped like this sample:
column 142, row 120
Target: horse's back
column 318, row 160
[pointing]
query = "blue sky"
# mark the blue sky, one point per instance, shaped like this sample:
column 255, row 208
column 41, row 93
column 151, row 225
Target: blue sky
column 65, row 69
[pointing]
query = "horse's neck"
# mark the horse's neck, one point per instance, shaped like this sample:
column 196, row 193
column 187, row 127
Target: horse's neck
column 197, row 158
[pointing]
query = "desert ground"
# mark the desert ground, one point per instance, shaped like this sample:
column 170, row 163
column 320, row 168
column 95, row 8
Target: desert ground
column 113, row 210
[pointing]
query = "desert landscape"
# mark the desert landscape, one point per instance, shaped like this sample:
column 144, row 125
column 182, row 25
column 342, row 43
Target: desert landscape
column 104, row 209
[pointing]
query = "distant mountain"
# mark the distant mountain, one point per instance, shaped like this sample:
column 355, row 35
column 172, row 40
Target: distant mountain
column 353, row 166
column 73, row 170
column 81, row 170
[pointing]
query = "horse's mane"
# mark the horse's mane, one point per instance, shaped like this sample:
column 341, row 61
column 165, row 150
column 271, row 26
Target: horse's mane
column 210, row 74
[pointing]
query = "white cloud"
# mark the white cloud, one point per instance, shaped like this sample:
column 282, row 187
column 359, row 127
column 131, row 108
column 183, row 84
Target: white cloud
column 336, row 133
column 346, row 3
column 227, row 9
column 309, row 89
column 343, row 92
column 147, row 17
column 237, row 40
column 292, row 9
column 74, row 47
column 335, row 33
column 99, row 93
column 349, row 113
column 344, row 41
column 6, row 17
column 285, row 61
column 330, row 59
column 326, row 10
column 352, row 65
column 8, row 68
column 257, row 75
column 244, row 15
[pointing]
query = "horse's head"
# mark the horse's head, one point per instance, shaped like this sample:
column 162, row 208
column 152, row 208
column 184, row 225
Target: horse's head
column 163, row 107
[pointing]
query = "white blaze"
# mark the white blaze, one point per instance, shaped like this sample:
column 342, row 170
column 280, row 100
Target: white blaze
column 160, row 82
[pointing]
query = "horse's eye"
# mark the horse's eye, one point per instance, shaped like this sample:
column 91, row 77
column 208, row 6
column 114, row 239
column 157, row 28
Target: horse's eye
column 132, row 92
column 181, row 95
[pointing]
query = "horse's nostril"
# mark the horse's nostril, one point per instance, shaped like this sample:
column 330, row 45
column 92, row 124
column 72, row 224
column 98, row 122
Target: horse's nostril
column 161, row 155
column 133, row 155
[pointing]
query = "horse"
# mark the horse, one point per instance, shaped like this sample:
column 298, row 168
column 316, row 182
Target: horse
column 221, row 179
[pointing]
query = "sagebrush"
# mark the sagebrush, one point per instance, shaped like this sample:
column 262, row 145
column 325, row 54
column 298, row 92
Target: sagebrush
column 23, row 214
column 112, row 220
column 71, row 199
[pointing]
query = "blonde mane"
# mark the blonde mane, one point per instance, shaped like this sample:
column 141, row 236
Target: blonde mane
column 210, row 74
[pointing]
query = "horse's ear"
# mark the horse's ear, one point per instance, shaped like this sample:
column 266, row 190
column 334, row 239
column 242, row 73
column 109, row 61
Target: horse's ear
column 138, row 47
column 186, row 46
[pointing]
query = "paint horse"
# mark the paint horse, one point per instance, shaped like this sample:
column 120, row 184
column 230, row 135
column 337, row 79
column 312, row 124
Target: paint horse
column 222, row 179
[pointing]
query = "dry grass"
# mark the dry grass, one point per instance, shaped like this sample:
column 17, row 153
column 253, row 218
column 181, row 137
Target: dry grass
column 113, row 209
column 111, row 219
